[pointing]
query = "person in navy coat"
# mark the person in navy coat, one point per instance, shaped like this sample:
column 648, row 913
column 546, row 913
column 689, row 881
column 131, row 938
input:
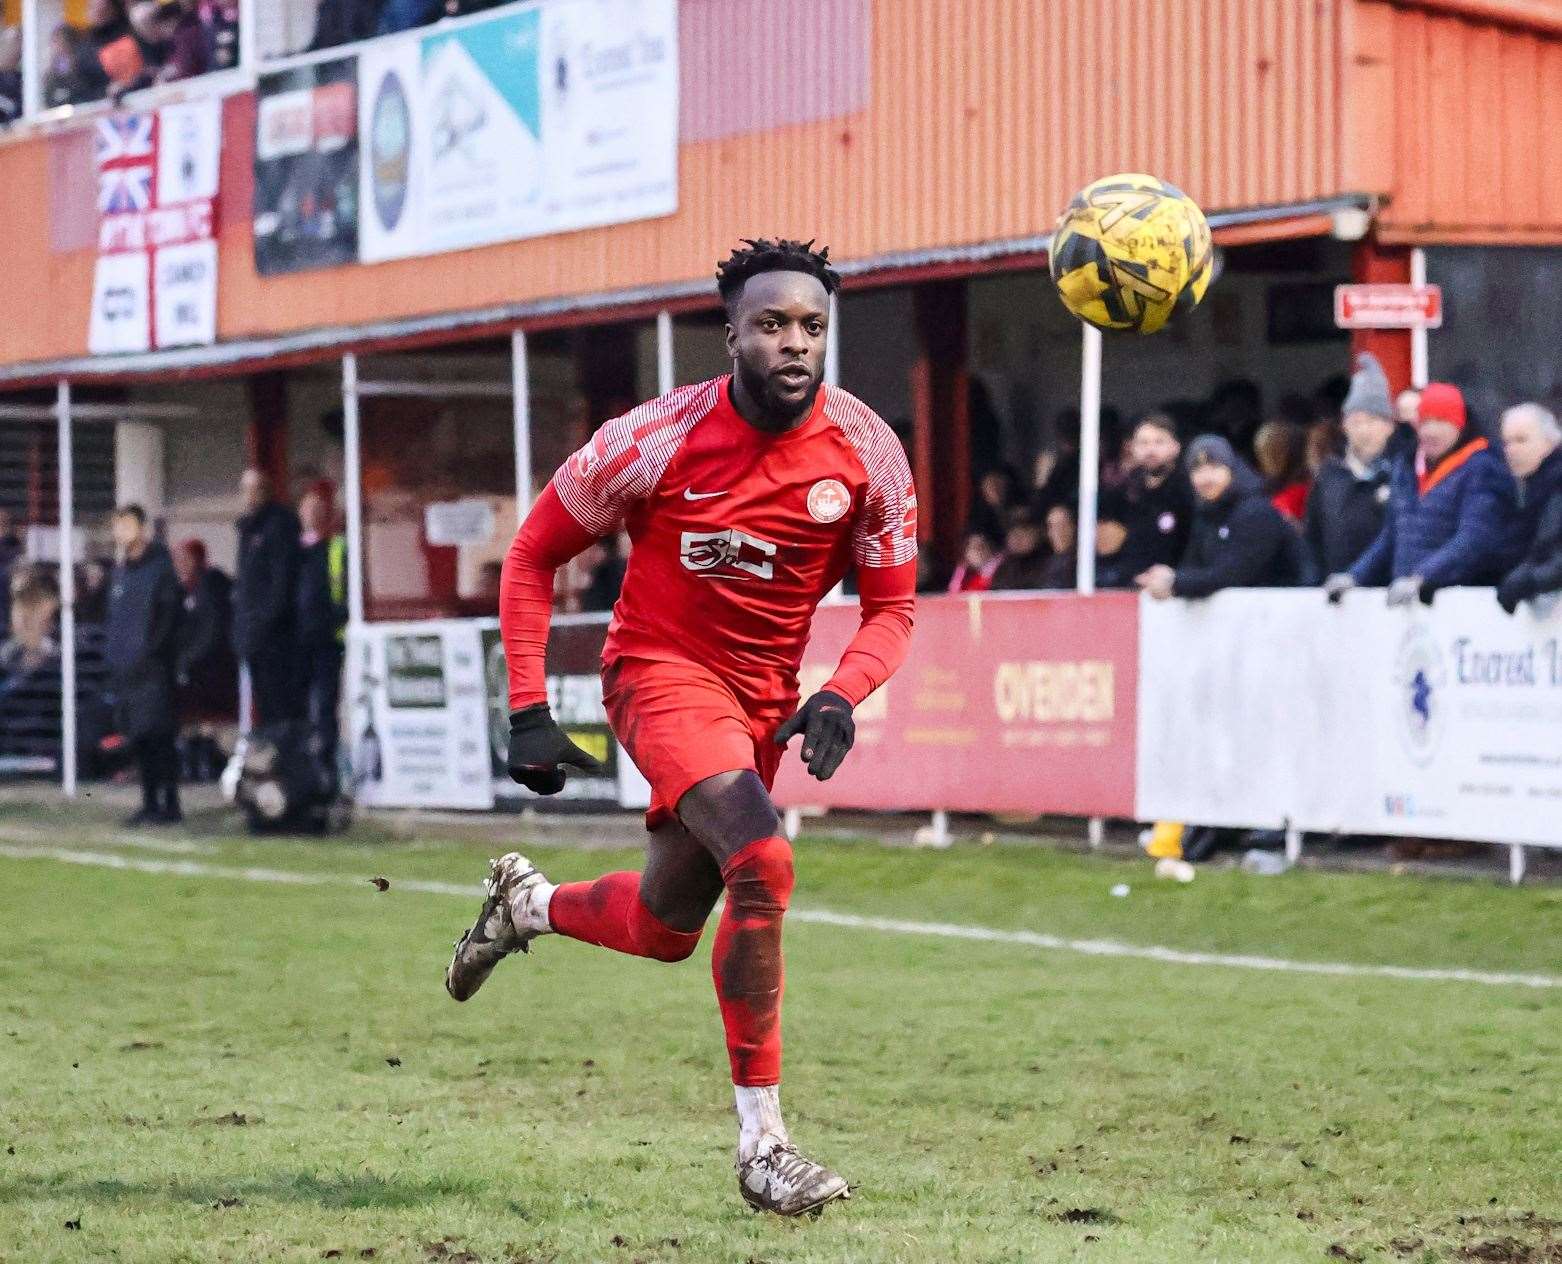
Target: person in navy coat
column 1452, row 514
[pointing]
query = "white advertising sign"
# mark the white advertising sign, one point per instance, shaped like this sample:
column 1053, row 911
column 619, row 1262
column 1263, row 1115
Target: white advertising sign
column 545, row 118
column 455, row 522
column 1260, row 707
column 418, row 716
column 120, row 317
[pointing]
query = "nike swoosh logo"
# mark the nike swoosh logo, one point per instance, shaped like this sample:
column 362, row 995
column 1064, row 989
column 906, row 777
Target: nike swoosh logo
column 690, row 494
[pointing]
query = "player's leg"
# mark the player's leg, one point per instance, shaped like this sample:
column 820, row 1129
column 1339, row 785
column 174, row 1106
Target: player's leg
column 657, row 914
column 732, row 816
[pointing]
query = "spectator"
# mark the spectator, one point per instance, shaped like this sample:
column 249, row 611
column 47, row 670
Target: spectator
column 1532, row 443
column 1345, row 507
column 1113, row 568
column 1450, row 510
column 141, row 648
column 1025, row 559
column 1157, row 500
column 997, row 492
column 220, row 20
column 189, row 42
column 30, row 643
column 1281, row 451
column 344, row 22
column 10, row 74
column 1236, row 410
column 92, row 593
column 75, row 75
column 1062, row 568
column 322, row 614
column 10, row 555
column 265, row 634
column 403, row 15
column 607, row 579
column 206, row 670
column 119, row 52
column 1239, row 539
column 977, row 564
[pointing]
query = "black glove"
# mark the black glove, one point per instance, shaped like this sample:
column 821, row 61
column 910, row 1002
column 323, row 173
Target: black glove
column 539, row 751
column 1511, row 591
column 825, row 721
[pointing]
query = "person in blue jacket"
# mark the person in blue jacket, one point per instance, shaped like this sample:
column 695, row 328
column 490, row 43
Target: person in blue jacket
column 1452, row 513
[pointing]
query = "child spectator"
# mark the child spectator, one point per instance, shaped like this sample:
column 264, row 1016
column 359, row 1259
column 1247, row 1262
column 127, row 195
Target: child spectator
column 977, row 564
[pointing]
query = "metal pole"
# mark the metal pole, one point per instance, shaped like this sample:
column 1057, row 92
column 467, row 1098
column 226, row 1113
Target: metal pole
column 62, row 413
column 1089, row 459
column 32, row 63
column 832, row 344
column 249, row 35
column 664, row 352
column 352, row 475
column 1418, row 368
column 520, row 385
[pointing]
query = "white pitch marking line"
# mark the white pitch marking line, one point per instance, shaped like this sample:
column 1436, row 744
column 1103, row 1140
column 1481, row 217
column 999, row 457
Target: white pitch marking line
column 822, row 917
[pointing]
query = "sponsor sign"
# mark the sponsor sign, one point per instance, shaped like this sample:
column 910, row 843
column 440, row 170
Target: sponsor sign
column 1388, row 306
column 455, row 522
column 417, row 709
column 306, row 168
column 545, row 118
column 1005, row 704
column 156, row 279
column 1259, row 707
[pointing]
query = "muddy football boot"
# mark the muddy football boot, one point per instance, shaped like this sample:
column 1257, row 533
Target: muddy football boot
column 494, row 935
column 783, row 1181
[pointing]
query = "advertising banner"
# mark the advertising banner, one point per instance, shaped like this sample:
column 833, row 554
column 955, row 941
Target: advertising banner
column 306, row 168
column 417, row 716
column 1442, row 722
column 542, row 119
column 156, row 279
column 1005, row 704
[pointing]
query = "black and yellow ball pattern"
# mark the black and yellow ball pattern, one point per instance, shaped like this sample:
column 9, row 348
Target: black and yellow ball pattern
column 1131, row 252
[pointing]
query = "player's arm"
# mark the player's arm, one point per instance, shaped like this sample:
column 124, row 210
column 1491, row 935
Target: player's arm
column 548, row 538
column 884, row 546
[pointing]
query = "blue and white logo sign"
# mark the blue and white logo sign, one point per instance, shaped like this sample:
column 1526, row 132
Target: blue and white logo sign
column 1422, row 679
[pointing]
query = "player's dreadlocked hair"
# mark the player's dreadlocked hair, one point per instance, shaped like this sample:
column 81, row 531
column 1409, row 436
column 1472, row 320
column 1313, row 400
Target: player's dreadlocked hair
column 765, row 255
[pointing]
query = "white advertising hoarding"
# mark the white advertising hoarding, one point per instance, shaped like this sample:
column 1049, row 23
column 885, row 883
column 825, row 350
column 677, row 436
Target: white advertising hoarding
column 1446, row 721
column 545, row 118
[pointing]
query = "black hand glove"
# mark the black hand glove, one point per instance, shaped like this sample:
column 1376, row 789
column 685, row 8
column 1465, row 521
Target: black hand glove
column 539, row 751
column 1511, row 591
column 825, row 721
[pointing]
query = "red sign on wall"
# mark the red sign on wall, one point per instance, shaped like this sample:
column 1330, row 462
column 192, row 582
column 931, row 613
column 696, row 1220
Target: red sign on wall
column 1005, row 704
column 1388, row 306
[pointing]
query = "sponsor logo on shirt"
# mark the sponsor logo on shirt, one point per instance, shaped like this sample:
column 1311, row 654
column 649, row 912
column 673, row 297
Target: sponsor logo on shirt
column 716, row 554
column 828, row 500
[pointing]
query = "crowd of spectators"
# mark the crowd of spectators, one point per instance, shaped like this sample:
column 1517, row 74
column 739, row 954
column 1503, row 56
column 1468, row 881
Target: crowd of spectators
column 1351, row 488
column 346, row 21
column 123, row 47
column 160, row 634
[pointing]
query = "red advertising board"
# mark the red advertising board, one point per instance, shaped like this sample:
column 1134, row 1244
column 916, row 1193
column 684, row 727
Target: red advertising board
column 1006, row 703
column 1388, row 306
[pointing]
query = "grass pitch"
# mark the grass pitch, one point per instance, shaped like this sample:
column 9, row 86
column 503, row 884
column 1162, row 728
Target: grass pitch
column 203, row 1069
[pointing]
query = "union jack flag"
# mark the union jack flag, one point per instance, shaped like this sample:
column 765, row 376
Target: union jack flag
column 126, row 156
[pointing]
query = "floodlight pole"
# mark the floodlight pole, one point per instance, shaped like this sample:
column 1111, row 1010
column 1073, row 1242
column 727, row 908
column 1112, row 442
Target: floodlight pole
column 521, row 409
column 62, row 414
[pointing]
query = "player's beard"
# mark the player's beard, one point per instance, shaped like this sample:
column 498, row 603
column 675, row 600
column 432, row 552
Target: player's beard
column 778, row 414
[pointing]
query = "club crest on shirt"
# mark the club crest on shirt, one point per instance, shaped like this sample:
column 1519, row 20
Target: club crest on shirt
column 828, row 500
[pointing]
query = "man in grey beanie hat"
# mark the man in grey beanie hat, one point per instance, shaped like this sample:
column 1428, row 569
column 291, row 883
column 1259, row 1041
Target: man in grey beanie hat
column 1345, row 508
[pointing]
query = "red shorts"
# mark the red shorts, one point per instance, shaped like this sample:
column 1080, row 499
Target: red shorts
column 681, row 723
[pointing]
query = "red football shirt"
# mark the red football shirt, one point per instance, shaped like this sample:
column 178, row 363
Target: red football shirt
column 737, row 534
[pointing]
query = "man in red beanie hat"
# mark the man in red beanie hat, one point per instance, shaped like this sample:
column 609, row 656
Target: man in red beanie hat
column 1451, row 516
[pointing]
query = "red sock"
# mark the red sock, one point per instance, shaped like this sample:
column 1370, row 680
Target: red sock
column 746, row 960
column 608, row 912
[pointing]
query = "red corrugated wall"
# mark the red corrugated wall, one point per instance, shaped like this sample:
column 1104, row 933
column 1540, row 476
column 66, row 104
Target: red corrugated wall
column 981, row 118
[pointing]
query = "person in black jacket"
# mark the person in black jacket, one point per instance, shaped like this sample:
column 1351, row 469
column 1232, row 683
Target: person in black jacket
column 1157, row 499
column 1345, row 508
column 1532, row 444
column 322, row 614
column 265, row 634
column 1239, row 539
column 140, row 645
column 206, row 671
